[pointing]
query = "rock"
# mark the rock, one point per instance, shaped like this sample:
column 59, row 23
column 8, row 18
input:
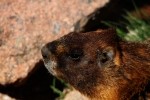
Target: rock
column 5, row 97
column 25, row 25
column 75, row 95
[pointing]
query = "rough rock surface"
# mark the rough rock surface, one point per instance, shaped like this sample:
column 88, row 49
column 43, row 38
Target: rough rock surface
column 75, row 95
column 25, row 25
column 5, row 97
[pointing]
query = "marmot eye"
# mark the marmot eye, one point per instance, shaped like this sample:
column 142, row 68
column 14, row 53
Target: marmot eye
column 75, row 54
column 104, row 58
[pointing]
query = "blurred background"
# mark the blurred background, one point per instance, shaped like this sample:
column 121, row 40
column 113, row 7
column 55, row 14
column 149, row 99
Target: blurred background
column 26, row 25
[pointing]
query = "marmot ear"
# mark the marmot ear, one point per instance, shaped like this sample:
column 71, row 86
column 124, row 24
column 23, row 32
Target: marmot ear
column 109, row 36
column 105, row 57
column 110, row 31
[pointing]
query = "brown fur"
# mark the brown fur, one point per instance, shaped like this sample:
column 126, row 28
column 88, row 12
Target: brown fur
column 100, row 65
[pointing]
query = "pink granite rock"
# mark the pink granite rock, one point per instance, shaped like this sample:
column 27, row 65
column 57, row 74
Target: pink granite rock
column 25, row 25
column 5, row 97
column 75, row 95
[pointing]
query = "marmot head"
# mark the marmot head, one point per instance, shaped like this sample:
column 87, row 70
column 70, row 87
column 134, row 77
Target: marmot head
column 85, row 60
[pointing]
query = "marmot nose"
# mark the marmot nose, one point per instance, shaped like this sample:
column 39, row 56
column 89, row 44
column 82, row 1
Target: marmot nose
column 49, row 49
column 45, row 52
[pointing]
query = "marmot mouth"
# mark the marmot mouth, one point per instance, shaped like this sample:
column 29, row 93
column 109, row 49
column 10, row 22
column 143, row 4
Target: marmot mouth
column 51, row 66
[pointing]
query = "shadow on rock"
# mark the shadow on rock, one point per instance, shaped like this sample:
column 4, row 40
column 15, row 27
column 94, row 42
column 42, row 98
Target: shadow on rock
column 111, row 12
column 35, row 87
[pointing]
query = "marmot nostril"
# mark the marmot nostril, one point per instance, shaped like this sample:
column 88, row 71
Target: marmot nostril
column 45, row 52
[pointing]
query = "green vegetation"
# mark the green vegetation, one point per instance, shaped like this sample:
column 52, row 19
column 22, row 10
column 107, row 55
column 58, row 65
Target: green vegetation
column 58, row 91
column 134, row 29
column 138, row 29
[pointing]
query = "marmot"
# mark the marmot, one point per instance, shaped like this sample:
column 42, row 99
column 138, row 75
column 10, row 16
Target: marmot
column 100, row 65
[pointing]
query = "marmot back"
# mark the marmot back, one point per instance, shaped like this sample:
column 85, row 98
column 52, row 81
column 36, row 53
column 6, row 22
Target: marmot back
column 100, row 65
